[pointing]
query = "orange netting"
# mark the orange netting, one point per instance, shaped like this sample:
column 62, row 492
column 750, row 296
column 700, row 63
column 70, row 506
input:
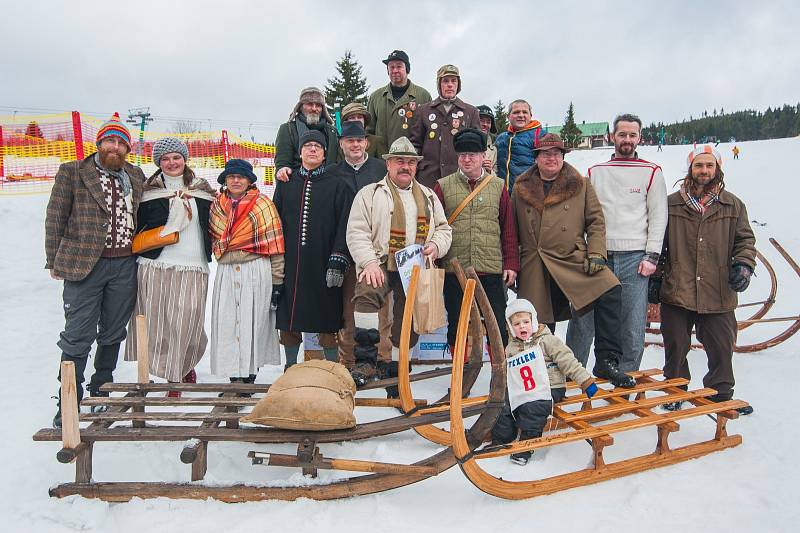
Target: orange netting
column 33, row 147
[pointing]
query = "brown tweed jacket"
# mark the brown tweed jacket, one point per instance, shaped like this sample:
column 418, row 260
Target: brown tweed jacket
column 78, row 218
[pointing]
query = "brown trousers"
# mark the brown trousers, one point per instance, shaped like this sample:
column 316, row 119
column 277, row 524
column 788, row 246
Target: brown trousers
column 346, row 341
column 717, row 333
column 295, row 338
column 368, row 299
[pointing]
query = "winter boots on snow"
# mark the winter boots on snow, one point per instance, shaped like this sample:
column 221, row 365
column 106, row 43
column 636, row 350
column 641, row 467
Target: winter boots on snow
column 365, row 353
column 521, row 458
column 608, row 369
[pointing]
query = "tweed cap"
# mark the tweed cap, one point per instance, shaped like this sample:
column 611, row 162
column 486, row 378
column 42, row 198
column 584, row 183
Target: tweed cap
column 114, row 126
column 169, row 145
column 356, row 108
column 402, row 147
column 548, row 141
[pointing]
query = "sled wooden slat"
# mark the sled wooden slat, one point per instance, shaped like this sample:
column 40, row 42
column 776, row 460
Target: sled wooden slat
column 627, row 407
column 603, row 394
column 220, row 402
column 252, row 388
column 615, row 427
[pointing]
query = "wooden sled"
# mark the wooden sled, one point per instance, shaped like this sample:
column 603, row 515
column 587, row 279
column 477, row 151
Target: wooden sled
column 654, row 314
column 584, row 424
column 128, row 420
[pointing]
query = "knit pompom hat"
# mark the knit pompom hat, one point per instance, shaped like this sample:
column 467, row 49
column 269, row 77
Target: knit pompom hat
column 169, row 145
column 114, row 126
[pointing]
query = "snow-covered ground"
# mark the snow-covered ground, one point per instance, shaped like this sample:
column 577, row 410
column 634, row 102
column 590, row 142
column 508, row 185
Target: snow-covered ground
column 749, row 488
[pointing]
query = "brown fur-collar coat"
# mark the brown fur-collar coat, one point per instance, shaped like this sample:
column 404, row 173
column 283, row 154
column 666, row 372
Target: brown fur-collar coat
column 556, row 233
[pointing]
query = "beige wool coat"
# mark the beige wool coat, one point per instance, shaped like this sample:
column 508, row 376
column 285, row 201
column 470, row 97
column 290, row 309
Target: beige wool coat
column 556, row 233
column 371, row 219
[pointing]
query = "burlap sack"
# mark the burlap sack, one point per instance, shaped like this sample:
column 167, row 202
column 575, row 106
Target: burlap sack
column 315, row 395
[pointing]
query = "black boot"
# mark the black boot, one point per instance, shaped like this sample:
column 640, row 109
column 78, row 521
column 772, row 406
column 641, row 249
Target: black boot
column 521, row 458
column 366, row 355
column 673, row 406
column 386, row 370
column 249, row 379
column 98, row 394
column 744, row 411
column 105, row 361
column 608, row 369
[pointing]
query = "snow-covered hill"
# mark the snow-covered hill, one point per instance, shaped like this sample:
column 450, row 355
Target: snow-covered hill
column 748, row 488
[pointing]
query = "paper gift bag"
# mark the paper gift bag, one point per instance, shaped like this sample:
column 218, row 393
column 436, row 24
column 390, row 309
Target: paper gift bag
column 429, row 313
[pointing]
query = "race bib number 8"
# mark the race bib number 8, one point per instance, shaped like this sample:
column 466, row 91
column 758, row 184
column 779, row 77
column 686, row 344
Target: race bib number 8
column 528, row 382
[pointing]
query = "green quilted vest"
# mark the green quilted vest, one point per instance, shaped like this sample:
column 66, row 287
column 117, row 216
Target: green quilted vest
column 476, row 230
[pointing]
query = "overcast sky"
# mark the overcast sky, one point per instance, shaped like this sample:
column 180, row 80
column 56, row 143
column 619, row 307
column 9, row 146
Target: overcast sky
column 242, row 64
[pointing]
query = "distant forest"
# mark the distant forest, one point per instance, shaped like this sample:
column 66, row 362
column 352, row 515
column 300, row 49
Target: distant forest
column 748, row 125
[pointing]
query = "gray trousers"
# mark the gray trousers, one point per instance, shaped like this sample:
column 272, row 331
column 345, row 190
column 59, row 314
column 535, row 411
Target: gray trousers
column 98, row 308
column 580, row 333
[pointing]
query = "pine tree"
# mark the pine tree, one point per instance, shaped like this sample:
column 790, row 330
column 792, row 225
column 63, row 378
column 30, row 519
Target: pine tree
column 571, row 133
column 500, row 116
column 349, row 85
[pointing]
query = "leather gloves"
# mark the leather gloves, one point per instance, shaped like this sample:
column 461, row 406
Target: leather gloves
column 739, row 277
column 593, row 264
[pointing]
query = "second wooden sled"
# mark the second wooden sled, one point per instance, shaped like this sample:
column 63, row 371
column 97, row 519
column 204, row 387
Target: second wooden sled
column 586, row 424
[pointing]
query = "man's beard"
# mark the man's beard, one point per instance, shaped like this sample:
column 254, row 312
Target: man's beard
column 312, row 118
column 111, row 160
column 626, row 149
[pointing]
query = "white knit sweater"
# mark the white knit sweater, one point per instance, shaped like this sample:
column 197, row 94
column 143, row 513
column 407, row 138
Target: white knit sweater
column 634, row 199
column 189, row 252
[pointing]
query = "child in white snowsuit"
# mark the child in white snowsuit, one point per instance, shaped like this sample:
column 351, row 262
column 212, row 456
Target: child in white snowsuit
column 537, row 362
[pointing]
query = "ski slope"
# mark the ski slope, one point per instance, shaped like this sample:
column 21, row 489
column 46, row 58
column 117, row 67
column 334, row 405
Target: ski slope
column 748, row 488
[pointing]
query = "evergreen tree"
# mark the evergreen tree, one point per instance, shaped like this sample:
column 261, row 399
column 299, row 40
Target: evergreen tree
column 349, row 85
column 500, row 116
column 571, row 133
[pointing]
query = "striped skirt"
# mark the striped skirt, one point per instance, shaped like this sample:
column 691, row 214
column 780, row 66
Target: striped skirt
column 173, row 301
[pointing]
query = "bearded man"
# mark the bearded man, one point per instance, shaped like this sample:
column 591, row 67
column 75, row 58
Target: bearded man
column 89, row 228
column 309, row 114
column 709, row 255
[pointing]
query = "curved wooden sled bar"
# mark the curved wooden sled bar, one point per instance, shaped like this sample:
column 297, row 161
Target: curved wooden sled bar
column 758, row 317
column 407, row 406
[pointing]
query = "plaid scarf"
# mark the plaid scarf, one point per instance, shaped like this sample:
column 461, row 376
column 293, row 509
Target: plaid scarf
column 250, row 224
column 397, row 230
column 704, row 202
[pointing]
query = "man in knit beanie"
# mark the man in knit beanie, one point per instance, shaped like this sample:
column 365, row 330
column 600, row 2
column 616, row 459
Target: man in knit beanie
column 310, row 113
column 88, row 235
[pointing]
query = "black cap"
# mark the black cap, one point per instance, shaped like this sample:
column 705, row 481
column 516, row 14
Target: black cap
column 352, row 128
column 237, row 166
column 486, row 111
column 469, row 140
column 314, row 136
column 399, row 55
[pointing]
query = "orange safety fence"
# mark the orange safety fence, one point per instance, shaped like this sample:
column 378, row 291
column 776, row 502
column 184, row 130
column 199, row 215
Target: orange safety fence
column 33, row 147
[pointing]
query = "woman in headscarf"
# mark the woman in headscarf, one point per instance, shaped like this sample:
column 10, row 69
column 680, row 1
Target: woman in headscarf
column 247, row 241
column 173, row 280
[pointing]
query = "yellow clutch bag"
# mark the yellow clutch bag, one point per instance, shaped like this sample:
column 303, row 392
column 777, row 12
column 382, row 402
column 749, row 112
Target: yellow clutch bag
column 150, row 239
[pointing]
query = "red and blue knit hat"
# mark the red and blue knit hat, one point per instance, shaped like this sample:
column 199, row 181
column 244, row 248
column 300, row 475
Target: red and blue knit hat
column 114, row 127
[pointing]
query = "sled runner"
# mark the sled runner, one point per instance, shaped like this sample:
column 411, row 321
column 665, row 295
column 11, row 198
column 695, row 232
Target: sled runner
column 654, row 315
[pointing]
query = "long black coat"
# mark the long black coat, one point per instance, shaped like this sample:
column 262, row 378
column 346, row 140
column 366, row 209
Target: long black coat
column 372, row 171
column 314, row 215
